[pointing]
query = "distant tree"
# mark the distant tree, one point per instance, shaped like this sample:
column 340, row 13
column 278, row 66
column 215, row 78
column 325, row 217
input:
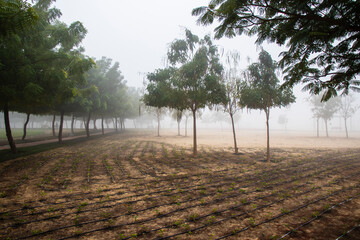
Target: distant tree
column 187, row 115
column 261, row 90
column 347, row 109
column 322, row 37
column 198, row 77
column 323, row 110
column 177, row 115
column 283, row 120
column 158, row 91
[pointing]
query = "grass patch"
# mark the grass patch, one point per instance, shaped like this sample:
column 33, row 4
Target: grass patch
column 6, row 154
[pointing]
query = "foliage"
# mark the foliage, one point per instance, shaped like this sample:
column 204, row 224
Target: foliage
column 322, row 37
column 16, row 16
column 261, row 89
column 192, row 82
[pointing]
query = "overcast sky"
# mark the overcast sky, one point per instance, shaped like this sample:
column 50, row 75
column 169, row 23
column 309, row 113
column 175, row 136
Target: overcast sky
column 137, row 35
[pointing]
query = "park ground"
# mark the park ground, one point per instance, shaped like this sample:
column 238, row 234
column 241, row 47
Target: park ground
column 134, row 185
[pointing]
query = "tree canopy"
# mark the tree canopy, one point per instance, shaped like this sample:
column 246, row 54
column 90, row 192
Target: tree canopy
column 16, row 16
column 323, row 37
column 193, row 81
column 262, row 90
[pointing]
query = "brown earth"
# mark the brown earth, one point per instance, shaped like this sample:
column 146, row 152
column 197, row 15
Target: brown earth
column 135, row 185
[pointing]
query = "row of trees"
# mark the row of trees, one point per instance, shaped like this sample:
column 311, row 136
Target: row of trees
column 344, row 106
column 196, row 78
column 43, row 69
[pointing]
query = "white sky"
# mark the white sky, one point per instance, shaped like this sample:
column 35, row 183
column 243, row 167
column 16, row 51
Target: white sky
column 137, row 35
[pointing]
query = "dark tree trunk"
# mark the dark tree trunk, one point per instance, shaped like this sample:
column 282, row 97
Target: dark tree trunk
column 116, row 124
column 61, row 126
column 194, row 134
column 234, row 135
column 72, row 124
column 25, row 125
column 267, row 111
column 95, row 124
column 102, row 125
column 8, row 129
column 87, row 125
column 53, row 125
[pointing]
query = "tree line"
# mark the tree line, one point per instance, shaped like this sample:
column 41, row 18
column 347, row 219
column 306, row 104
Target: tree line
column 44, row 70
column 196, row 78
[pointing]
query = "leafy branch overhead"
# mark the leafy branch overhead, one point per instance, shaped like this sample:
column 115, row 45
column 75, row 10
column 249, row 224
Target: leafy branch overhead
column 323, row 37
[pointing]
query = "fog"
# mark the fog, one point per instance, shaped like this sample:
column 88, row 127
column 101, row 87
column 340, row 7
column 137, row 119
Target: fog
column 137, row 35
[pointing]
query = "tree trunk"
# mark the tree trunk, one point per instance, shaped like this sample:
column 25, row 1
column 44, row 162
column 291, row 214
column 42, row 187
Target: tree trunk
column 317, row 127
column 347, row 135
column 25, row 125
column 102, row 125
column 123, row 123
column 234, row 135
column 61, row 126
column 8, row 129
column 158, row 128
column 194, row 134
column 134, row 123
column 87, row 125
column 53, row 125
column 116, row 124
column 72, row 124
column 178, row 122
column 95, row 124
column 267, row 135
column 326, row 128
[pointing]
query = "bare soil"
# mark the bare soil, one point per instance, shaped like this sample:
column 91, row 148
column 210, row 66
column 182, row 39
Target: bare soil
column 134, row 185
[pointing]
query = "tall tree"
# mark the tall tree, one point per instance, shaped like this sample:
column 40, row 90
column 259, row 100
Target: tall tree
column 198, row 78
column 322, row 37
column 261, row 90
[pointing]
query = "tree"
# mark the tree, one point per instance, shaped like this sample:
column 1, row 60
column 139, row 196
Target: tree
column 322, row 37
column 261, row 90
column 347, row 109
column 16, row 16
column 232, row 84
column 177, row 115
column 158, row 91
column 18, row 71
column 323, row 110
column 197, row 81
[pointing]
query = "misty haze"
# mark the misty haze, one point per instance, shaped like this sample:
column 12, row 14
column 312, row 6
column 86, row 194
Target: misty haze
column 184, row 119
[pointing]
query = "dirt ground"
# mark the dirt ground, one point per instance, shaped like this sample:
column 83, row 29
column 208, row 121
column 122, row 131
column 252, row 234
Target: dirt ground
column 257, row 139
column 135, row 185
